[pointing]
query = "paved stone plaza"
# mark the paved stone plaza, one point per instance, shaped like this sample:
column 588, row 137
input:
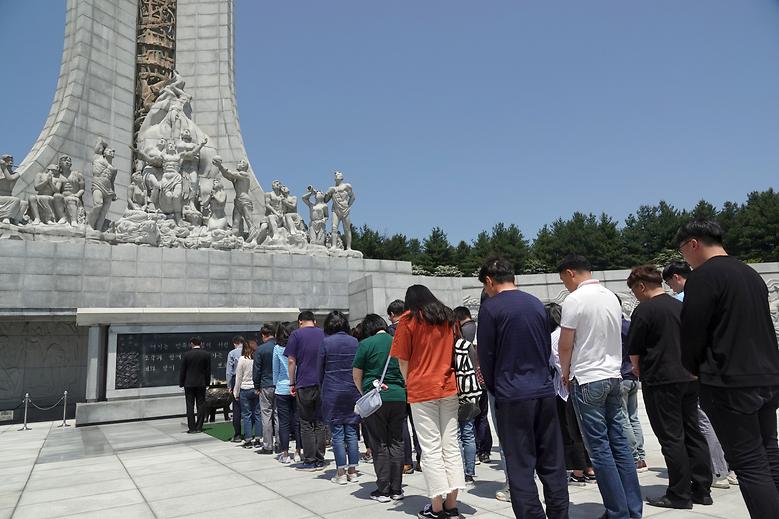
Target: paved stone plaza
column 153, row 469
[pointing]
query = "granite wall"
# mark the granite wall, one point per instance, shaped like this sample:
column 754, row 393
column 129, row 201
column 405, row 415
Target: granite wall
column 43, row 358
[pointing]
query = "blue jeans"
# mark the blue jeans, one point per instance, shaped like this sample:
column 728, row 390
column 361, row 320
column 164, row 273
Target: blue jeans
column 601, row 418
column 468, row 447
column 250, row 413
column 633, row 424
column 345, row 445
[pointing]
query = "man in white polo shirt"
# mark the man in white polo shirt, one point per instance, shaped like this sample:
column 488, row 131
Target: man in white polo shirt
column 591, row 357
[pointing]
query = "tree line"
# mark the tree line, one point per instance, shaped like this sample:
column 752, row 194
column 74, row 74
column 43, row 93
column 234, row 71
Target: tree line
column 646, row 236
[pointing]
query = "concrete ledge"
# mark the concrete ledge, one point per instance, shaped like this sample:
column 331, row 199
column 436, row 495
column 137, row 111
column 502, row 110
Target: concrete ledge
column 129, row 410
column 150, row 316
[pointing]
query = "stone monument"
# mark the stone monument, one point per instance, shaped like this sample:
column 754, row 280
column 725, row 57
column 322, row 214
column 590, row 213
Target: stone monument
column 176, row 162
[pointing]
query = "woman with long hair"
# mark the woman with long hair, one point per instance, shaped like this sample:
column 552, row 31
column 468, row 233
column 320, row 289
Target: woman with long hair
column 285, row 402
column 386, row 425
column 246, row 396
column 339, row 394
column 424, row 347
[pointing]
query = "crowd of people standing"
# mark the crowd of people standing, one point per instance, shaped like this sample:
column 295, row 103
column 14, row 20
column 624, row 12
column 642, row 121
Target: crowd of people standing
column 562, row 383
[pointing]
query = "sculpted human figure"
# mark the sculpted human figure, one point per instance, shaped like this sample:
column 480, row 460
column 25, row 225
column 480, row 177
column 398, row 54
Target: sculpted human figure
column 73, row 187
column 242, row 205
column 189, row 166
column 292, row 220
column 152, row 172
column 274, row 210
column 343, row 198
column 48, row 185
column 170, row 185
column 218, row 199
column 11, row 208
column 319, row 213
column 137, row 199
column 103, row 177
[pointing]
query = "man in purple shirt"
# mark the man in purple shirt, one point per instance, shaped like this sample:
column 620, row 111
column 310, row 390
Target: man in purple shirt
column 303, row 353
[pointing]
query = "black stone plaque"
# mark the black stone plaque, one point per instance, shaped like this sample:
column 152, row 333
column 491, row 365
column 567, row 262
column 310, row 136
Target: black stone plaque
column 154, row 359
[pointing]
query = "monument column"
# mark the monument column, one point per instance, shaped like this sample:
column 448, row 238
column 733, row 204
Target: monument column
column 96, row 363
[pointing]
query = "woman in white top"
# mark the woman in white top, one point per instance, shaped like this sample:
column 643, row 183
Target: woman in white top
column 576, row 459
column 247, row 397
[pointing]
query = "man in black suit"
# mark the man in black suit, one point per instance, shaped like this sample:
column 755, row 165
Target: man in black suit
column 194, row 377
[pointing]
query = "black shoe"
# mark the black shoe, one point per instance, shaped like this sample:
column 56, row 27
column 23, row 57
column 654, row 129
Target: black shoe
column 236, row 439
column 418, row 467
column 666, row 502
column 427, row 513
column 264, row 451
column 247, row 444
column 191, row 431
column 484, row 457
column 453, row 512
column 702, row 500
column 469, row 482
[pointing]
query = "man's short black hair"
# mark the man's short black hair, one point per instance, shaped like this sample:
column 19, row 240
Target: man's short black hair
column 676, row 267
column 462, row 313
column 195, row 341
column 306, row 315
column 238, row 339
column 336, row 322
column 575, row 262
column 497, row 268
column 707, row 232
column 267, row 330
column 396, row 307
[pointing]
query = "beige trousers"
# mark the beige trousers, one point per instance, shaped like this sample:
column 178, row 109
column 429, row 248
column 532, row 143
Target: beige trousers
column 437, row 430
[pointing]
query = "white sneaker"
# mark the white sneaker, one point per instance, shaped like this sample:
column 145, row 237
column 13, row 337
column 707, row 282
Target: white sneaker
column 503, row 494
column 353, row 478
column 340, row 480
column 286, row 460
column 732, row 479
column 720, row 483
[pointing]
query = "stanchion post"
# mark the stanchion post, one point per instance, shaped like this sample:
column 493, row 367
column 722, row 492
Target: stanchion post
column 64, row 411
column 26, row 401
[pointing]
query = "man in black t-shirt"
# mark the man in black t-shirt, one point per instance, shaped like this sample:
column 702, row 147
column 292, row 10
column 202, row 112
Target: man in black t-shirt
column 670, row 392
column 729, row 342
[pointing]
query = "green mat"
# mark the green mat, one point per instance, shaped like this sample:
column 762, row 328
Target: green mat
column 221, row 431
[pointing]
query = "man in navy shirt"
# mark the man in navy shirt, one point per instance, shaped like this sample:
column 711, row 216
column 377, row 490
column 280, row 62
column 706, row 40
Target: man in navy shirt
column 514, row 345
column 303, row 353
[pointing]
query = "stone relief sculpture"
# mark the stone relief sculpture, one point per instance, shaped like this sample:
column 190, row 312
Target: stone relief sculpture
column 217, row 219
column 73, row 187
column 12, row 208
column 156, row 53
column 343, row 198
column 242, row 204
column 177, row 196
column 47, row 205
column 293, row 222
column 170, row 187
column 103, row 178
column 318, row 215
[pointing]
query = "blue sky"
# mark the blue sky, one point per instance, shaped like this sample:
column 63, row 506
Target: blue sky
column 461, row 114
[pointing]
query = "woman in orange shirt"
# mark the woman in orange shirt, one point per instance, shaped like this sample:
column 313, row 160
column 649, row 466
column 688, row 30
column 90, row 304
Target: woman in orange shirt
column 424, row 346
